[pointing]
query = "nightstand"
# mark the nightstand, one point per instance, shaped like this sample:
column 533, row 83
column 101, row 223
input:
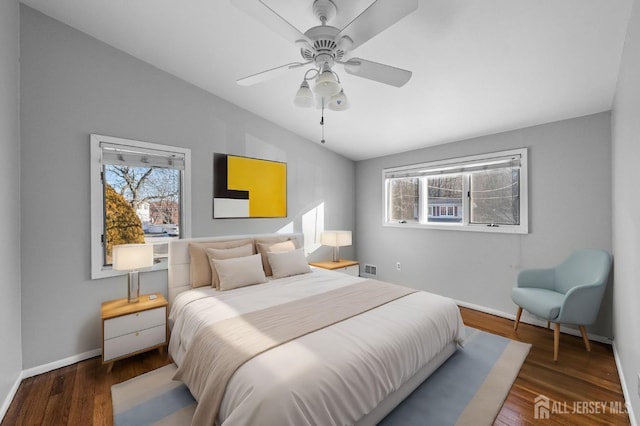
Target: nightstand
column 350, row 267
column 131, row 328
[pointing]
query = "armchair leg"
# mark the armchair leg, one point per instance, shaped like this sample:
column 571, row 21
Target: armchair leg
column 585, row 338
column 518, row 315
column 556, row 341
column 548, row 324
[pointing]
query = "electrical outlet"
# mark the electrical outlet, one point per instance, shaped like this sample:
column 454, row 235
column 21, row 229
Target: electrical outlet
column 398, row 266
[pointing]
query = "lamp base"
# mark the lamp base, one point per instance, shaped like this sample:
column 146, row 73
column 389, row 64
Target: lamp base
column 134, row 287
column 336, row 254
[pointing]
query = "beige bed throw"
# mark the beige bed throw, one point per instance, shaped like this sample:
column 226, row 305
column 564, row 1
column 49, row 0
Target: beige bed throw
column 221, row 348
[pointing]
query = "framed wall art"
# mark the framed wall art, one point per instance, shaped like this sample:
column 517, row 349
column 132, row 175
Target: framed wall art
column 246, row 187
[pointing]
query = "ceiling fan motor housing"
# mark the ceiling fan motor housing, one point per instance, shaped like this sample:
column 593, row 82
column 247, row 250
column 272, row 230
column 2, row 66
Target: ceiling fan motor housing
column 325, row 49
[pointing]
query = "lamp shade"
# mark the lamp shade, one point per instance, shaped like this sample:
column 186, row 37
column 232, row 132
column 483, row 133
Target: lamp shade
column 304, row 96
column 339, row 102
column 326, row 84
column 335, row 238
column 128, row 257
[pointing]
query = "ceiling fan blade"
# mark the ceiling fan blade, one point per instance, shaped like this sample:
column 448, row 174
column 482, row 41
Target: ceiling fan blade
column 375, row 19
column 269, row 74
column 377, row 72
column 271, row 19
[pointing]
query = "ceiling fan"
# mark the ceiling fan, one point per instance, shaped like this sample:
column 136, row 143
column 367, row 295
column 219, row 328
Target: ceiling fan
column 324, row 46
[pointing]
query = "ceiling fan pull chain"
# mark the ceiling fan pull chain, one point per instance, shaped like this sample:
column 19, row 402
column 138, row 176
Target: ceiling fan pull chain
column 322, row 123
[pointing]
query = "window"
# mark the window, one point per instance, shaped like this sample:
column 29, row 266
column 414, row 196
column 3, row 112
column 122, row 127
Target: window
column 140, row 193
column 444, row 195
column 403, row 200
column 477, row 193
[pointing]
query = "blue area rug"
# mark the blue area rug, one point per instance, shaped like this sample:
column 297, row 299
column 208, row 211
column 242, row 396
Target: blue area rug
column 469, row 388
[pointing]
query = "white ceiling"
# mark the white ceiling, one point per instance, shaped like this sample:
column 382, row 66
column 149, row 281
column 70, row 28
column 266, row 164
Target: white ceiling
column 479, row 66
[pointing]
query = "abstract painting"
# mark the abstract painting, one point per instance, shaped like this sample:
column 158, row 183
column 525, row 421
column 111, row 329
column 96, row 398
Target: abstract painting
column 246, row 187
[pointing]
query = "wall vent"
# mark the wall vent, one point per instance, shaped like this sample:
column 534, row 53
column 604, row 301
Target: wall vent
column 370, row 269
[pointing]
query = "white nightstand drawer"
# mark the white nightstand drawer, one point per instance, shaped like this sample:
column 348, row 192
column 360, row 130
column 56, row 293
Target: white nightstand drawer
column 352, row 270
column 131, row 323
column 133, row 342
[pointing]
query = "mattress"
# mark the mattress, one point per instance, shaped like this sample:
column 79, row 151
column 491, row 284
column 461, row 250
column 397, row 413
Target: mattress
column 335, row 375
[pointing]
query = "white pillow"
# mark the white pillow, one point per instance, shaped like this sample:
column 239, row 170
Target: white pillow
column 225, row 253
column 239, row 271
column 287, row 263
column 265, row 247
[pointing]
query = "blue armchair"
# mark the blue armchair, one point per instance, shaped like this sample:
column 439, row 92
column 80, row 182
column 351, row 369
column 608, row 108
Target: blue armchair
column 570, row 293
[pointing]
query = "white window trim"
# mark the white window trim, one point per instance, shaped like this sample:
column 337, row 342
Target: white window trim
column 523, row 228
column 98, row 270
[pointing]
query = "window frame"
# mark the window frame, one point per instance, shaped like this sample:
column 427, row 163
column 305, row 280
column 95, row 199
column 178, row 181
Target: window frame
column 465, row 225
column 98, row 269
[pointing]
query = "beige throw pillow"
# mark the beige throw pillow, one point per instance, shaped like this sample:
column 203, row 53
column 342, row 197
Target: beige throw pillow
column 240, row 271
column 266, row 247
column 220, row 254
column 199, row 267
column 287, row 263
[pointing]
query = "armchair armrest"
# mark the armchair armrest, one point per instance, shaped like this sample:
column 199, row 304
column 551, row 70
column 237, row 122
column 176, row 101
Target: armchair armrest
column 581, row 304
column 537, row 278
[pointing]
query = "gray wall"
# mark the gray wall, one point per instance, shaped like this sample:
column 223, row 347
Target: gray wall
column 626, row 208
column 74, row 85
column 10, row 340
column 569, row 208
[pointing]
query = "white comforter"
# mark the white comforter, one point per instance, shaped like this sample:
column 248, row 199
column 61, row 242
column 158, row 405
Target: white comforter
column 332, row 376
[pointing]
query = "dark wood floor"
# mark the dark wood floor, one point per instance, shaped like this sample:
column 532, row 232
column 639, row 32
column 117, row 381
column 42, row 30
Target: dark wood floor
column 576, row 382
column 80, row 394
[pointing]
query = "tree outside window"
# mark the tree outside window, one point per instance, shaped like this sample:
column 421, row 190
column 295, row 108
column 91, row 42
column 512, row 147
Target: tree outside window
column 152, row 195
column 403, row 199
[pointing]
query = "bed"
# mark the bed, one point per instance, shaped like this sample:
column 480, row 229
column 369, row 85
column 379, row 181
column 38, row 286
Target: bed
column 352, row 371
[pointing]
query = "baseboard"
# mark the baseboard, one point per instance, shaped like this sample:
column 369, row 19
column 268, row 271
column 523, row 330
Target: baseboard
column 625, row 388
column 34, row 371
column 531, row 321
column 12, row 393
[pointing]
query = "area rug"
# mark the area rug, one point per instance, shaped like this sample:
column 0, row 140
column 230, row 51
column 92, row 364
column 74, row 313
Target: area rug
column 468, row 389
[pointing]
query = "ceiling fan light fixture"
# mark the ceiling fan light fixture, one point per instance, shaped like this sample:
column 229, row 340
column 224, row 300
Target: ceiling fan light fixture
column 304, row 96
column 327, row 84
column 339, row 102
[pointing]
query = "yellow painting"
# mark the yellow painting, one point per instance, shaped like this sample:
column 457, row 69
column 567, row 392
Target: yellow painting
column 248, row 187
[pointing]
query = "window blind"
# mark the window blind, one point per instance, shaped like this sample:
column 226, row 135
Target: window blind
column 430, row 169
column 140, row 157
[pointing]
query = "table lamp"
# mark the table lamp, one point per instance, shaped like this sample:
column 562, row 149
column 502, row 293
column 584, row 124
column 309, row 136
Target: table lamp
column 132, row 257
column 335, row 239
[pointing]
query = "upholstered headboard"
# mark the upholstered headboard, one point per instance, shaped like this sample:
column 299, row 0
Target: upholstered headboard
column 178, row 270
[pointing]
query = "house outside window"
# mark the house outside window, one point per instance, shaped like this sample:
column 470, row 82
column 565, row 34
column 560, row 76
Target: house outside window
column 486, row 193
column 444, row 196
column 139, row 195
